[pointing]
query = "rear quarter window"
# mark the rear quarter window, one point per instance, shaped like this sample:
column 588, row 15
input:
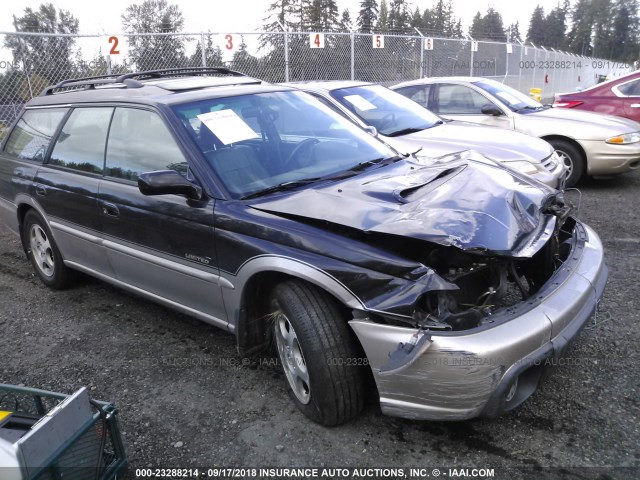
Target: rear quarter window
column 30, row 138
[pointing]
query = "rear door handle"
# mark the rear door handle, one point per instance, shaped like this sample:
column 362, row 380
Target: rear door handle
column 110, row 209
column 41, row 190
column 635, row 105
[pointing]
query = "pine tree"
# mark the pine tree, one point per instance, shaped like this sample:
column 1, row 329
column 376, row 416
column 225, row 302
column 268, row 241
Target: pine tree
column 345, row 21
column 555, row 27
column 398, row 16
column 367, row 16
column 514, row 32
column 579, row 37
column 383, row 19
column 536, row 32
column 477, row 26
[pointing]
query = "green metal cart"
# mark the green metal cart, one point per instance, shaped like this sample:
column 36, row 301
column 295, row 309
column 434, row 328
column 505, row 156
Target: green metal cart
column 52, row 436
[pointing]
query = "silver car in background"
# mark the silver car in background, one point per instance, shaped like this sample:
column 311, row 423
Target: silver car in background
column 589, row 143
column 408, row 127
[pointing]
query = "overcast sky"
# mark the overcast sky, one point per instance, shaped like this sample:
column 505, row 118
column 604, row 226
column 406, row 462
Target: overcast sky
column 247, row 15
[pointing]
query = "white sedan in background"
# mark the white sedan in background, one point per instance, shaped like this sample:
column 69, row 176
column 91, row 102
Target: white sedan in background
column 589, row 143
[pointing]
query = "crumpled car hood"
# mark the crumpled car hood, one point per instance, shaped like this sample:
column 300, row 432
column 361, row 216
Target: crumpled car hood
column 475, row 205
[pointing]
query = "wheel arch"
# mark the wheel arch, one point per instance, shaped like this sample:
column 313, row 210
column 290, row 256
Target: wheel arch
column 257, row 278
column 572, row 141
column 25, row 203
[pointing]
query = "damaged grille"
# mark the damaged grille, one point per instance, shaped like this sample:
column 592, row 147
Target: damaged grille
column 487, row 285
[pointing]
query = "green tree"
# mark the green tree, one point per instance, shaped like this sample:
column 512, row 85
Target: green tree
column 322, row 15
column 212, row 54
column 149, row 52
column 47, row 57
column 537, row 24
column 398, row 16
column 244, row 62
column 556, row 26
column 477, row 26
column 383, row 19
column 625, row 31
column 346, row 24
column 367, row 16
column 514, row 32
column 579, row 37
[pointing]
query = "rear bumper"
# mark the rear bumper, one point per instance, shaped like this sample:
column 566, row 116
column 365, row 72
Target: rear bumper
column 468, row 374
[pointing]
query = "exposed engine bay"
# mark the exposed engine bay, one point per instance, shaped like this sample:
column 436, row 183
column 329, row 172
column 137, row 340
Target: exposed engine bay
column 487, row 284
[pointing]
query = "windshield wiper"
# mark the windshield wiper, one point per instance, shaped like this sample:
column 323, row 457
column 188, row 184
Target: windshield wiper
column 405, row 131
column 280, row 187
column 526, row 107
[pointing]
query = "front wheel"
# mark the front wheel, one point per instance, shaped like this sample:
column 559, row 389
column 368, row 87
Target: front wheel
column 572, row 158
column 43, row 252
column 318, row 353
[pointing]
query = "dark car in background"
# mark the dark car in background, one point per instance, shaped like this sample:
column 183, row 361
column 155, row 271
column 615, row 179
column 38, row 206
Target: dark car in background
column 619, row 96
column 260, row 210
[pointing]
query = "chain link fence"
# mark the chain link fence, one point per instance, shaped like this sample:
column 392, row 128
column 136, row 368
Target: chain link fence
column 31, row 61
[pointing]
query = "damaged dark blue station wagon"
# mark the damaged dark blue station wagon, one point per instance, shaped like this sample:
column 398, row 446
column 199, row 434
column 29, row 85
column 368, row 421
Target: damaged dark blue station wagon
column 257, row 209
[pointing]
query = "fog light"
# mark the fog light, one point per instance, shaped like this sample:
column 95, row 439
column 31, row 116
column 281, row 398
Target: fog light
column 512, row 390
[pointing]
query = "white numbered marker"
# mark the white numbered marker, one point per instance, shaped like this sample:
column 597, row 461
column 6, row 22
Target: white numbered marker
column 378, row 41
column 428, row 43
column 316, row 40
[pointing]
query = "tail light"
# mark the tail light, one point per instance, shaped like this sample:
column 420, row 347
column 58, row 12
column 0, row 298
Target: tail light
column 567, row 103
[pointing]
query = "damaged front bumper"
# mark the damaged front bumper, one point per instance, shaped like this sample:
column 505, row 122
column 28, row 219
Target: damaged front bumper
column 494, row 368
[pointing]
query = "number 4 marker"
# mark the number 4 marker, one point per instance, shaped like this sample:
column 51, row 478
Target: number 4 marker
column 316, row 40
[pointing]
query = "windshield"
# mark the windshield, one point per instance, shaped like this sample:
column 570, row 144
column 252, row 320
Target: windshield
column 258, row 142
column 510, row 97
column 390, row 112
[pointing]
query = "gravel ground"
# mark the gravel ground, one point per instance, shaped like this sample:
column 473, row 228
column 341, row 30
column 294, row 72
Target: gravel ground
column 187, row 400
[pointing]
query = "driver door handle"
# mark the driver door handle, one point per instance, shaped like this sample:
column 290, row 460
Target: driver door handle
column 110, row 209
column 635, row 105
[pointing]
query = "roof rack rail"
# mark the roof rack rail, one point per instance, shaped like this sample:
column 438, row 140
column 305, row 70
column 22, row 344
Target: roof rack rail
column 131, row 80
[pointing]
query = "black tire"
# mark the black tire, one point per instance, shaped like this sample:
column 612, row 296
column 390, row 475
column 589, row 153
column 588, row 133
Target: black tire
column 326, row 348
column 573, row 158
column 43, row 252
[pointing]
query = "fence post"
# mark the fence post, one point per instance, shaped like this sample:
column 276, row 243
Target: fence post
column 421, row 52
column 202, row 48
column 353, row 55
column 471, row 62
column 286, row 52
column 522, row 47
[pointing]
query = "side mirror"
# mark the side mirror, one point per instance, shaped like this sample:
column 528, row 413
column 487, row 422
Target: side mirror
column 491, row 109
column 163, row 182
column 371, row 130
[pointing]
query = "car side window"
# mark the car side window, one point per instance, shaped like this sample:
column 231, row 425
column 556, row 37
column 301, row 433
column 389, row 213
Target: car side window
column 140, row 142
column 630, row 89
column 32, row 135
column 81, row 143
column 417, row 93
column 459, row 99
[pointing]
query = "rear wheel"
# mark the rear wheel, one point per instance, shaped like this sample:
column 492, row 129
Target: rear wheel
column 43, row 252
column 318, row 353
column 572, row 158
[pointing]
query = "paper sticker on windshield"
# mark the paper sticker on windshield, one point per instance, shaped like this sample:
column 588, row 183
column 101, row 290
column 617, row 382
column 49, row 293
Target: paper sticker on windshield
column 359, row 102
column 227, row 126
column 507, row 97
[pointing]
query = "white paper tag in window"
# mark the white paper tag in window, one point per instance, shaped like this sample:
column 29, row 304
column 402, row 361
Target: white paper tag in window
column 359, row 102
column 227, row 126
